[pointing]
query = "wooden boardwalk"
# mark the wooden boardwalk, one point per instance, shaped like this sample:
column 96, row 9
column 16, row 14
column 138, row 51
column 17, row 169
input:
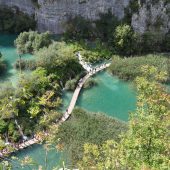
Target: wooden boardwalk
column 65, row 116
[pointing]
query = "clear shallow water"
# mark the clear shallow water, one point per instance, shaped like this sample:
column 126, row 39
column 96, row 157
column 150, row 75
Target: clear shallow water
column 37, row 153
column 10, row 56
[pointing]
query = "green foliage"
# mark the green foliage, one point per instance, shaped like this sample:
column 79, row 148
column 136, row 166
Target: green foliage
column 145, row 144
column 59, row 58
column 3, row 126
column 86, row 127
column 71, row 84
column 89, row 83
column 99, row 157
column 165, row 46
column 78, row 28
column 105, row 26
column 3, row 66
column 132, row 8
column 25, row 64
column 151, row 42
column 125, row 40
column 14, row 21
column 32, row 41
column 37, row 97
column 129, row 68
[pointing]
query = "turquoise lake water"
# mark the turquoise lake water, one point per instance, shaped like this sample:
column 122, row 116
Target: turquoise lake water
column 37, row 153
column 111, row 96
column 10, row 56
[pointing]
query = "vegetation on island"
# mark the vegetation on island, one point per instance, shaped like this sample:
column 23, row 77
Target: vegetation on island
column 32, row 41
column 35, row 99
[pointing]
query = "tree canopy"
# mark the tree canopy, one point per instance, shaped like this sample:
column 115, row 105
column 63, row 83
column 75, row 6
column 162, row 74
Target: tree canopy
column 32, row 41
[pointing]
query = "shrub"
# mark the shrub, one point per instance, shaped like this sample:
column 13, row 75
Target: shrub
column 32, row 41
column 71, row 84
column 78, row 28
column 105, row 26
column 89, row 83
column 59, row 58
column 25, row 64
column 15, row 21
column 125, row 40
column 129, row 68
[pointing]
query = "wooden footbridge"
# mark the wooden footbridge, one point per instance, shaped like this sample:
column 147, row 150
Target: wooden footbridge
column 75, row 96
column 68, row 112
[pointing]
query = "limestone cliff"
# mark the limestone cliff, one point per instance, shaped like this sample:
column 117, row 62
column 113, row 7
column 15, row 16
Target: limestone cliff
column 153, row 15
column 24, row 5
column 52, row 14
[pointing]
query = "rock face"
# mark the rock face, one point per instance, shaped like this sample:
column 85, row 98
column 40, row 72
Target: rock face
column 52, row 15
column 152, row 17
column 24, row 5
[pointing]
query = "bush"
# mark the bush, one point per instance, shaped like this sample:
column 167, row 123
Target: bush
column 105, row 26
column 78, row 28
column 32, row 41
column 151, row 42
column 125, row 40
column 89, row 83
column 14, row 21
column 71, row 85
column 25, row 64
column 3, row 66
column 130, row 68
column 59, row 58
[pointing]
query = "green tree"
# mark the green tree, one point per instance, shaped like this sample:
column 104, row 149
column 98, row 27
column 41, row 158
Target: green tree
column 15, row 21
column 32, row 41
column 2, row 65
column 145, row 145
column 125, row 40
